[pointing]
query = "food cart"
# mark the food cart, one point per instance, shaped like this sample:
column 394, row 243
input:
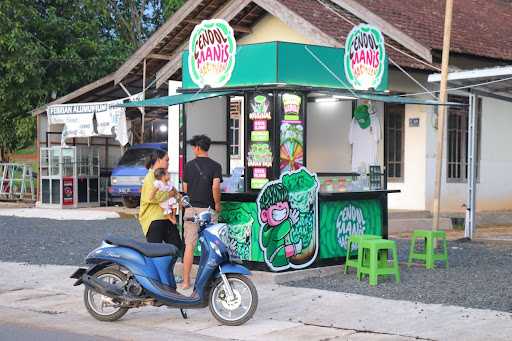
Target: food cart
column 304, row 189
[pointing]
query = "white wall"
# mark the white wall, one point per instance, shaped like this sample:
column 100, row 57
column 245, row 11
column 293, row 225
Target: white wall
column 412, row 187
column 494, row 192
column 328, row 149
column 208, row 117
column 270, row 28
column 328, row 124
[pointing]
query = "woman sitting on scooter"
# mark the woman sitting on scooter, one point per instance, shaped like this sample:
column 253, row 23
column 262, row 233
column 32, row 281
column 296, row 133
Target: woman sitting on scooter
column 156, row 226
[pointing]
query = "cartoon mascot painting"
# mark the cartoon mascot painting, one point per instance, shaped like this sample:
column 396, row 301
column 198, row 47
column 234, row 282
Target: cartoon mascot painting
column 277, row 218
column 288, row 217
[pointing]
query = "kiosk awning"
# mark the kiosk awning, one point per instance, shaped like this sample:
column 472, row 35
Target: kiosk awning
column 168, row 101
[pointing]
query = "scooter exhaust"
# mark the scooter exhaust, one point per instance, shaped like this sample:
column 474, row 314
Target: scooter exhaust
column 102, row 287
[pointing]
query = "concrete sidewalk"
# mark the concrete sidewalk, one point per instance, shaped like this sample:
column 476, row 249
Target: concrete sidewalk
column 59, row 214
column 43, row 296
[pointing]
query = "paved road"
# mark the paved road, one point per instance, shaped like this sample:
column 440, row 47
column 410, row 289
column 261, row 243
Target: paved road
column 19, row 332
column 46, row 241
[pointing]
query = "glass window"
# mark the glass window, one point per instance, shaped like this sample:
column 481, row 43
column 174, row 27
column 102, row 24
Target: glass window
column 394, row 116
column 234, row 129
column 457, row 136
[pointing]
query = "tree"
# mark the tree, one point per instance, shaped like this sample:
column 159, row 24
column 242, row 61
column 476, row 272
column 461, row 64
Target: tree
column 58, row 46
column 25, row 131
column 7, row 136
column 136, row 20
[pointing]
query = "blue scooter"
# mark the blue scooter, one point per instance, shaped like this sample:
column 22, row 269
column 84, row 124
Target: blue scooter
column 124, row 273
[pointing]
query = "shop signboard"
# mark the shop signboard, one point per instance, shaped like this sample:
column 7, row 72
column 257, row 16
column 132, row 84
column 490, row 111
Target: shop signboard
column 67, row 191
column 91, row 119
column 364, row 57
column 212, row 47
column 259, row 155
column 340, row 219
column 287, row 63
column 260, row 136
column 291, row 147
column 288, row 220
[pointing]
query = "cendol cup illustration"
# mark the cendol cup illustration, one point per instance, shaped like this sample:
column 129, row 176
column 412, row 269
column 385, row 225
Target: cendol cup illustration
column 291, row 107
column 302, row 187
column 240, row 224
column 260, row 104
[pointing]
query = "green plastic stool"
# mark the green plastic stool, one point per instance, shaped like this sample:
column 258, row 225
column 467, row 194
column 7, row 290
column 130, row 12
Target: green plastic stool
column 428, row 255
column 374, row 268
column 356, row 239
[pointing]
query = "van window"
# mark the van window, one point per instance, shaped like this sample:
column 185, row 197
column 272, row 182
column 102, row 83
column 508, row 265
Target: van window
column 135, row 157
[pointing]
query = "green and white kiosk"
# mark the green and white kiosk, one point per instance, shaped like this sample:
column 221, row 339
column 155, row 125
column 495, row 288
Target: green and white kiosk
column 301, row 196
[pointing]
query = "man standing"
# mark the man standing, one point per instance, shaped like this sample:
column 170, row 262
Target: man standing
column 201, row 181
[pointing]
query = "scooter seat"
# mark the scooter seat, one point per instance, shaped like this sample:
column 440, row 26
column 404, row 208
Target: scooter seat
column 147, row 249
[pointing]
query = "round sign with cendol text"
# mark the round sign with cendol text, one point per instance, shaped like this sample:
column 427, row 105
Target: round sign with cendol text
column 364, row 57
column 212, row 49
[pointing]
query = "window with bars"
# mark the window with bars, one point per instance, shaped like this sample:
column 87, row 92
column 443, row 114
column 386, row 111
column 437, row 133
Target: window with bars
column 394, row 116
column 235, row 109
column 458, row 138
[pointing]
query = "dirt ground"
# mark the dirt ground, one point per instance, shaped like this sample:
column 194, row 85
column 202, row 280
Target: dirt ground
column 497, row 233
column 491, row 233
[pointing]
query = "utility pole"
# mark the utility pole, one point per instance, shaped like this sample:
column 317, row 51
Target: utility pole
column 441, row 120
column 143, row 111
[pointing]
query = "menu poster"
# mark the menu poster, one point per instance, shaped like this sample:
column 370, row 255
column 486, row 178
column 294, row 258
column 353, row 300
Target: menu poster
column 291, row 147
column 259, row 155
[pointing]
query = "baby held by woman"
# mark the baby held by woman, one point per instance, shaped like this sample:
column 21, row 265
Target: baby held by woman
column 163, row 184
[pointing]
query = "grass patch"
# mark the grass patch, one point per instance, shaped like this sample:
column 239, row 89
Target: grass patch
column 26, row 151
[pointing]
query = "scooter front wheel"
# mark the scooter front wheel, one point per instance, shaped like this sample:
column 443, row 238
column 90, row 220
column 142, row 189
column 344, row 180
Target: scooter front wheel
column 239, row 309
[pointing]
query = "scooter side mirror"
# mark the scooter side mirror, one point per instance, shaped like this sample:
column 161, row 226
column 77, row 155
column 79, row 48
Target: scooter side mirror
column 185, row 201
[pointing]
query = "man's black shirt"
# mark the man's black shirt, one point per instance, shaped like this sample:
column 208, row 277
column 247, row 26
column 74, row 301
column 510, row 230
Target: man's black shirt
column 199, row 174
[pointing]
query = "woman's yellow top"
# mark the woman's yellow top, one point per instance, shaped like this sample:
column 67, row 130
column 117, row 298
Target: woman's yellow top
column 150, row 209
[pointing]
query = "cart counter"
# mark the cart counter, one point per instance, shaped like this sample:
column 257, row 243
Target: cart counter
column 304, row 229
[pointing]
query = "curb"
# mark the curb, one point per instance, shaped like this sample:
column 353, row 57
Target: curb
column 296, row 275
column 267, row 277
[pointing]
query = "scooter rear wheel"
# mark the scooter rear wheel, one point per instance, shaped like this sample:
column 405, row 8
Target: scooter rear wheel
column 239, row 310
column 99, row 306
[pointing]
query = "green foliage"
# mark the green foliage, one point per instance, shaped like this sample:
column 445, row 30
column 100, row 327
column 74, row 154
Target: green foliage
column 57, row 46
column 7, row 136
column 25, row 131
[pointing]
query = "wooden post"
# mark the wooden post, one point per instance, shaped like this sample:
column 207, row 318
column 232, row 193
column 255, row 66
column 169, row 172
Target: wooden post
column 441, row 120
column 143, row 97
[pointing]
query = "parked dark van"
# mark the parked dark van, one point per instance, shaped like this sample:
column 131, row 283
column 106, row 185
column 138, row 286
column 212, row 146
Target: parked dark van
column 128, row 176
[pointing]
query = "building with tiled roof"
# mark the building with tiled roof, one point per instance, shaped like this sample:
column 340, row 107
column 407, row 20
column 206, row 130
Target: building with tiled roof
column 413, row 30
